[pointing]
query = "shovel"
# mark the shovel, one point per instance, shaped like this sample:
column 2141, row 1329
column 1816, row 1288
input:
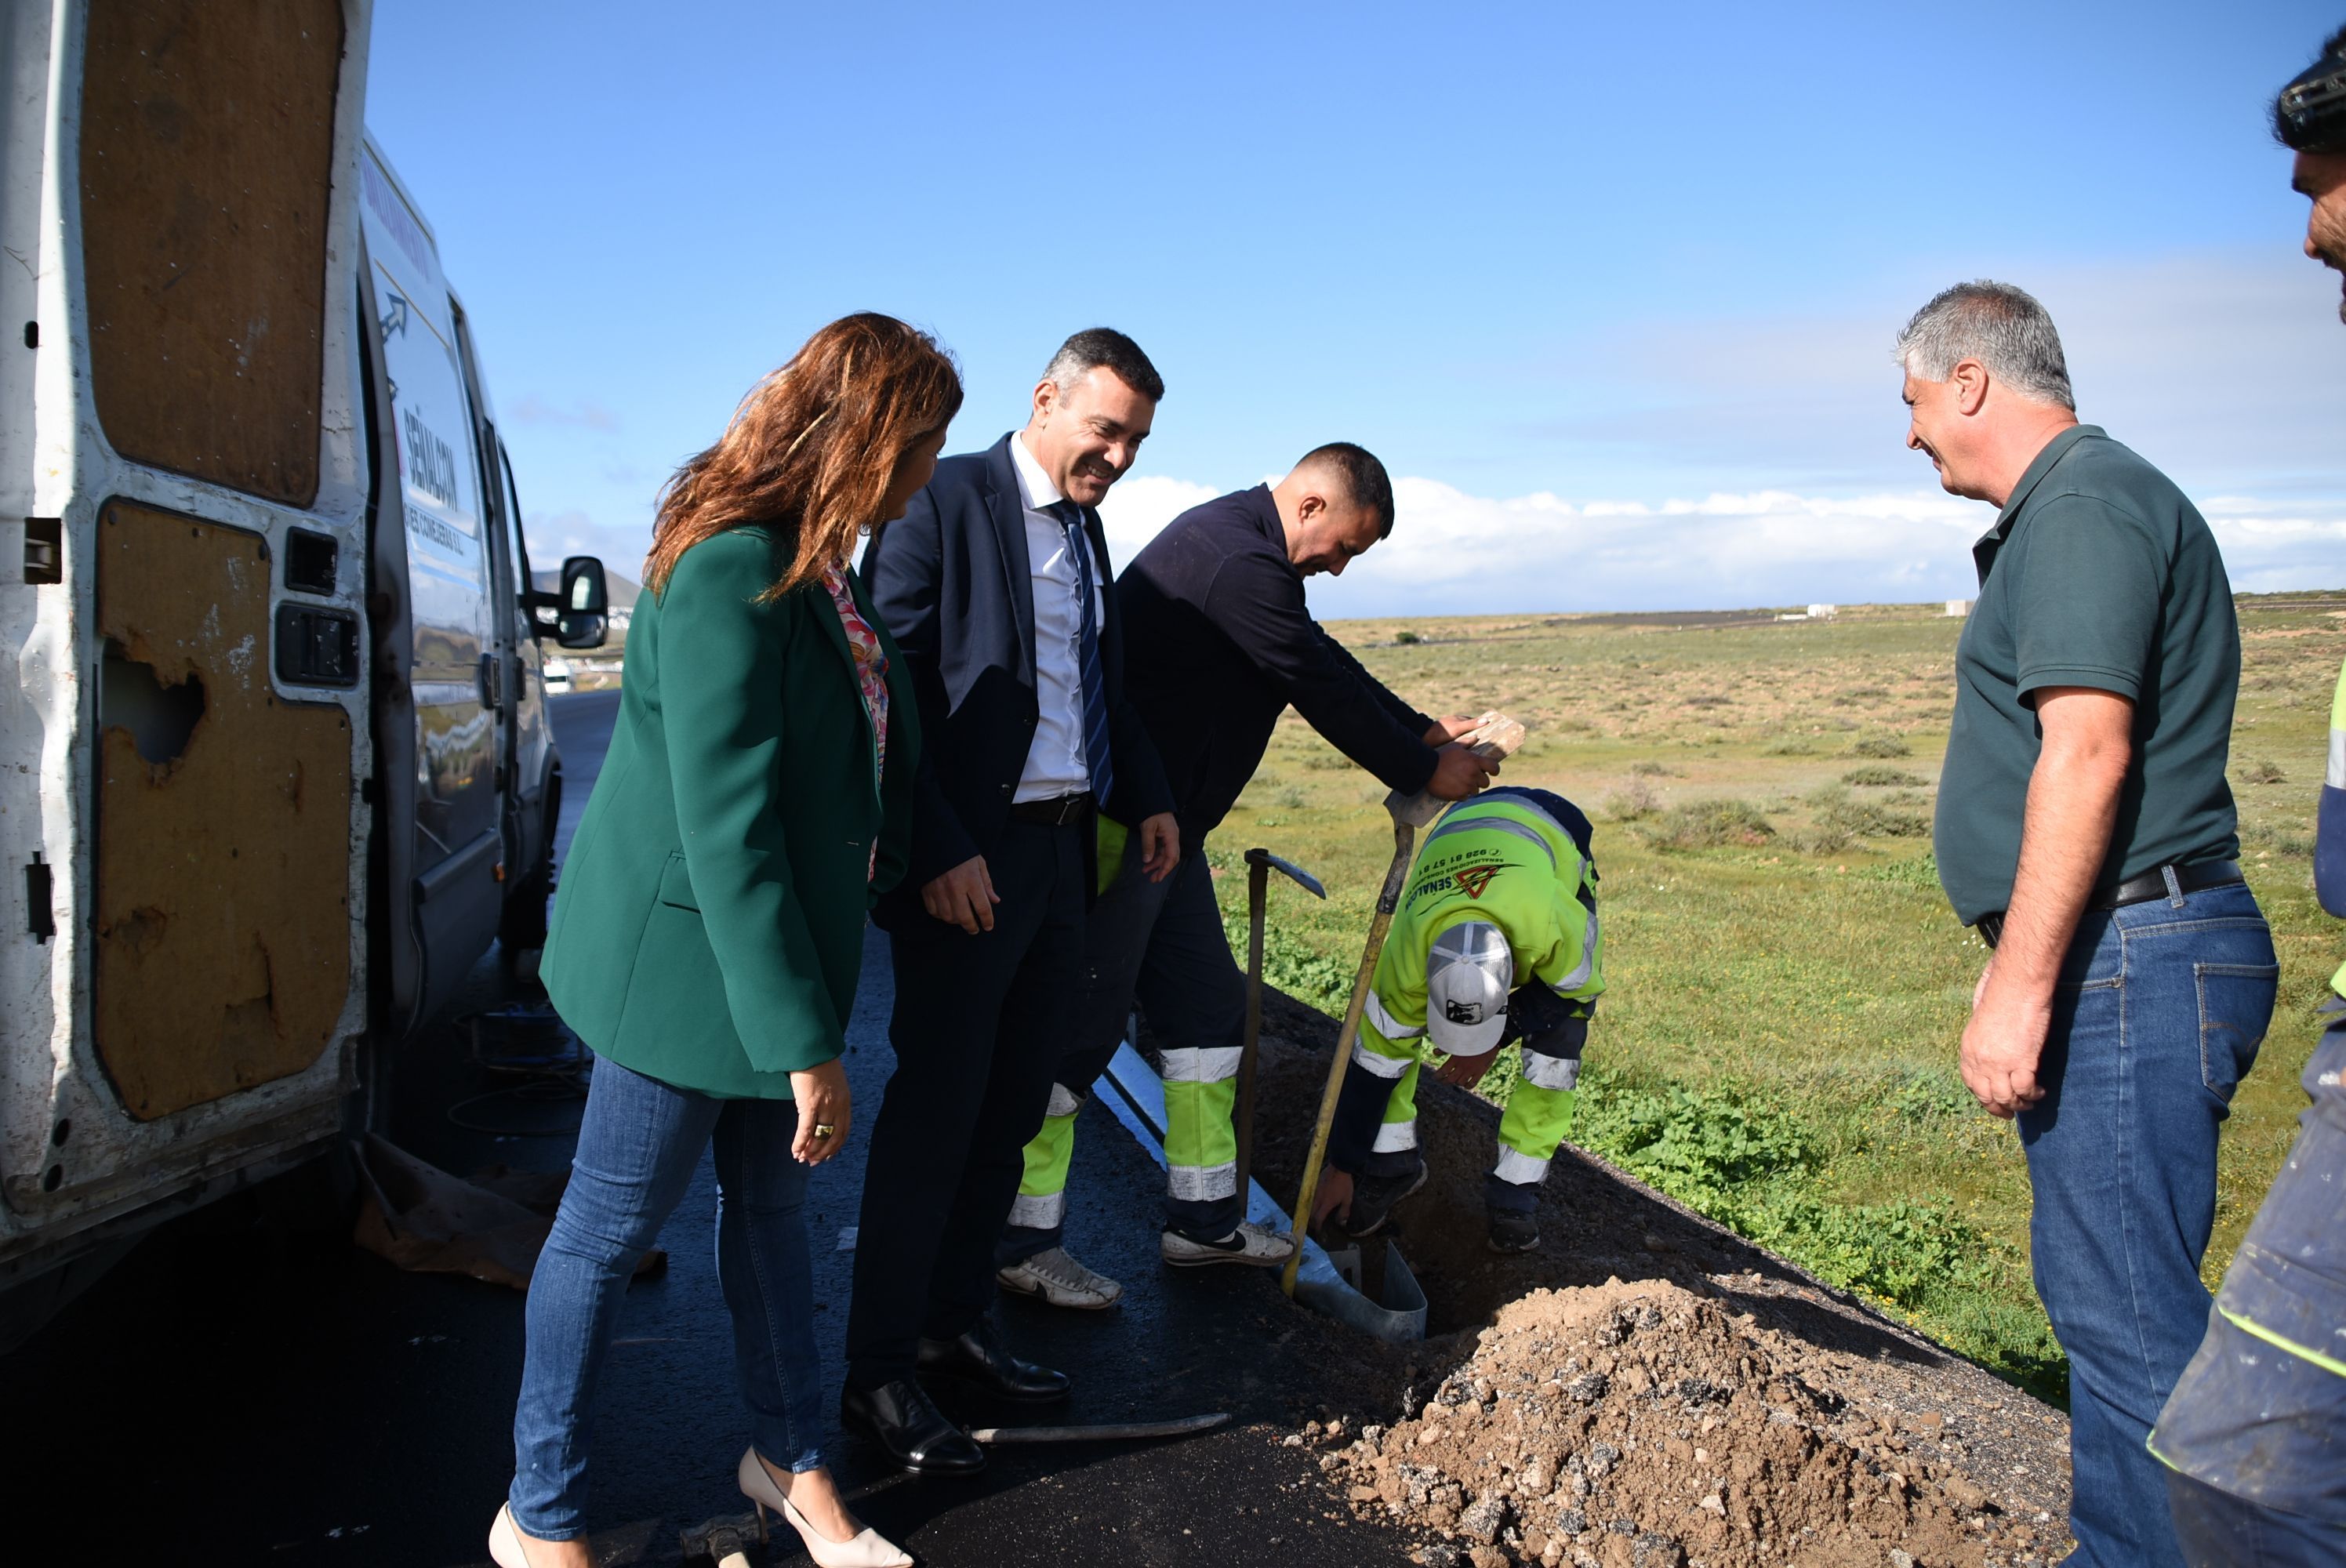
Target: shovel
column 1493, row 740
column 1261, row 863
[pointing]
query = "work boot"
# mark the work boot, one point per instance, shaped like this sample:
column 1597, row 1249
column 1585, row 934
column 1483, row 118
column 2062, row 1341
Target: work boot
column 1055, row 1277
column 1512, row 1232
column 1373, row 1197
column 1253, row 1244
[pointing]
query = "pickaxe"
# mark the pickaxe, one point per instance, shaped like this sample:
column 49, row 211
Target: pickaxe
column 1261, row 863
column 1493, row 740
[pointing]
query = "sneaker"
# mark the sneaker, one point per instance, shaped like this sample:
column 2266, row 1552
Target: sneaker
column 1373, row 1197
column 1060, row 1280
column 1257, row 1246
column 1512, row 1232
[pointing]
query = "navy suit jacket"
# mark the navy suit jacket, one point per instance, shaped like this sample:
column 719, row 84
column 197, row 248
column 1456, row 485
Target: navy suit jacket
column 953, row 582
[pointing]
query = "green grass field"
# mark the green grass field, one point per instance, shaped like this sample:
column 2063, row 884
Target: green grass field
column 1786, row 985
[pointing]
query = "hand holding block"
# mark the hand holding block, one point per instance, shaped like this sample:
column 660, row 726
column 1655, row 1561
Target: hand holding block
column 1493, row 739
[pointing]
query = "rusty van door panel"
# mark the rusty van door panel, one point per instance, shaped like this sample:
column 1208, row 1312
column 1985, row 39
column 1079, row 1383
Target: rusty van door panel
column 207, row 161
column 222, row 929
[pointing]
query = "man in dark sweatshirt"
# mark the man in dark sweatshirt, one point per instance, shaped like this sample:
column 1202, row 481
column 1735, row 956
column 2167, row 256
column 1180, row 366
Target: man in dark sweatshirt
column 1219, row 641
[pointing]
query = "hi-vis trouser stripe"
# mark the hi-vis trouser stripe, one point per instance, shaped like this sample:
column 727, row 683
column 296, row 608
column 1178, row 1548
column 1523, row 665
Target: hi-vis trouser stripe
column 1201, row 1141
column 1390, row 1050
column 1539, row 1113
column 1041, row 1202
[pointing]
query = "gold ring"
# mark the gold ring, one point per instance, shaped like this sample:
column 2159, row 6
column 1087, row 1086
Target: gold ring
column 824, row 1129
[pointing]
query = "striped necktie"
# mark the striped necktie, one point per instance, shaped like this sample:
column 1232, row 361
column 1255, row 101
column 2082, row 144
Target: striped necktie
column 1070, row 518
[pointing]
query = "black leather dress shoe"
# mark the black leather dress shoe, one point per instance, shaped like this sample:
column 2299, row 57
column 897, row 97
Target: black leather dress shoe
column 911, row 1431
column 980, row 1358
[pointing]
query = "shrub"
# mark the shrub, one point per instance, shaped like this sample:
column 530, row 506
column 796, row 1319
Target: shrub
column 1837, row 810
column 2261, row 772
column 1707, row 824
column 1881, row 746
column 1790, row 746
column 1406, row 639
column 1648, row 767
column 1633, row 802
column 1881, row 778
column 1821, row 840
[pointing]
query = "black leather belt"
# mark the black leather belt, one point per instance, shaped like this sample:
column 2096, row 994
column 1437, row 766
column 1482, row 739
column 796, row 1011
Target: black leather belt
column 1057, row 813
column 2141, row 890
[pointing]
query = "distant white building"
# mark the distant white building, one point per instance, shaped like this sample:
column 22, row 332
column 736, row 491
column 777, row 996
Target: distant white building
column 1959, row 609
column 1823, row 612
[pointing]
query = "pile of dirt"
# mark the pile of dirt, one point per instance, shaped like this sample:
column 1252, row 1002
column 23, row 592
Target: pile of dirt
column 1822, row 1396
column 1642, row 1426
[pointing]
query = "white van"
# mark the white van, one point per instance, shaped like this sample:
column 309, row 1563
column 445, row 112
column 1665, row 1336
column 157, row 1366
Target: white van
column 279, row 767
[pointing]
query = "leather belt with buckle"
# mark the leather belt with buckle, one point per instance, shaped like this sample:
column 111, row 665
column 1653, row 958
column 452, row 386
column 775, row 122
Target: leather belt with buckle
column 2141, row 890
column 1055, row 813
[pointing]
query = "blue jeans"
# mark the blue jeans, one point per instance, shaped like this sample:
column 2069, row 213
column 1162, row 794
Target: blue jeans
column 638, row 1147
column 2158, row 1014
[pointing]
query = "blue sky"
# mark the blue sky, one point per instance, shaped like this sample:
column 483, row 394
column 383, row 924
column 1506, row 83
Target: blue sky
column 1610, row 289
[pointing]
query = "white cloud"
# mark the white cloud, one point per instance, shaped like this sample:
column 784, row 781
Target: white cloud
column 1453, row 552
column 585, row 412
column 1137, row 508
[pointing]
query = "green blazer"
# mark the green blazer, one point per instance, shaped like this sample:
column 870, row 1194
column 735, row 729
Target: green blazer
column 709, row 928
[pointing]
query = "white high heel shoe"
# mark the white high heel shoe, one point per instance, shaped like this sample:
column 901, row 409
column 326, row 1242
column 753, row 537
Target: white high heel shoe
column 506, row 1549
column 866, row 1548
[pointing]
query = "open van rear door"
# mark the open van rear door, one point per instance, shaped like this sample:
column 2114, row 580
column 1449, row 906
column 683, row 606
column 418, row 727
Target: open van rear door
column 184, row 703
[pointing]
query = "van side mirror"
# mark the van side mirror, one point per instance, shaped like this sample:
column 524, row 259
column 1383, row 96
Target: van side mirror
column 585, row 602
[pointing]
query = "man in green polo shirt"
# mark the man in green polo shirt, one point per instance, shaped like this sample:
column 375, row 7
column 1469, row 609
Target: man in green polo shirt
column 2086, row 832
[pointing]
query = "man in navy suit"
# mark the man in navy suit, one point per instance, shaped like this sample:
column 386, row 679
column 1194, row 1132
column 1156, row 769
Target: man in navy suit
column 995, row 583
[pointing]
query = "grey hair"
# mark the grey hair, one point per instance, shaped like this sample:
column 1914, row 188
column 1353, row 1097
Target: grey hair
column 2002, row 327
column 1098, row 347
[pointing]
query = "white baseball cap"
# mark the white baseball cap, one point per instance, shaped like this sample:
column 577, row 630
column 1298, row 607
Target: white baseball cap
column 1469, row 972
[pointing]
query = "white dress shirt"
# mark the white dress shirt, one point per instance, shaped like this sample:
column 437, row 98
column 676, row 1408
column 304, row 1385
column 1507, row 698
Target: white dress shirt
column 1055, row 763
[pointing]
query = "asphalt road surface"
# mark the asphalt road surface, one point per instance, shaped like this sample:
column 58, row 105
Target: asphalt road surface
column 248, row 1387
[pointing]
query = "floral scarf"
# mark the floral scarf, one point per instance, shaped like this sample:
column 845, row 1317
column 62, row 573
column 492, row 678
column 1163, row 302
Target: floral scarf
column 871, row 678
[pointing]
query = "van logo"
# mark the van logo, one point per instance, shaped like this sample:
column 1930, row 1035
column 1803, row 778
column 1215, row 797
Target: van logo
column 431, row 464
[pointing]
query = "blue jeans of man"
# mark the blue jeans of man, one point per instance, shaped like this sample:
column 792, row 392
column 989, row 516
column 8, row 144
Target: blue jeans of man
column 638, row 1147
column 2158, row 1013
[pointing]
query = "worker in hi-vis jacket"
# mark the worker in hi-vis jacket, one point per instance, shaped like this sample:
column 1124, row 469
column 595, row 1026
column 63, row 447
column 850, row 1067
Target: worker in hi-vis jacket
column 1496, row 939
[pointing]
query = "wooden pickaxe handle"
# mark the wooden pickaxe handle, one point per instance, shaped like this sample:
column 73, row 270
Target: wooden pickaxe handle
column 1387, row 900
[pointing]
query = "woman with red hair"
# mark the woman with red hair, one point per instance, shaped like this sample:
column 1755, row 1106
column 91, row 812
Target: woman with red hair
column 709, row 926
